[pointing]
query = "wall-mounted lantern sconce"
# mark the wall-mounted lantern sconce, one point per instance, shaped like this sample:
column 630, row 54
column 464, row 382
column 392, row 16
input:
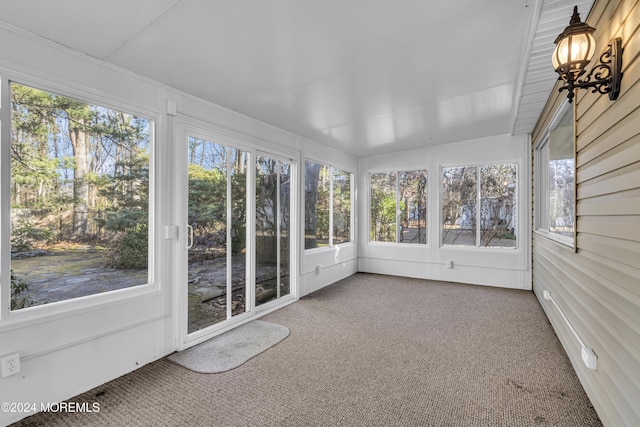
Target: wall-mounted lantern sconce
column 575, row 47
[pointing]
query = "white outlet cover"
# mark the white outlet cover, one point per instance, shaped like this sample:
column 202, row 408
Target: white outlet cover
column 10, row 364
column 589, row 358
column 170, row 231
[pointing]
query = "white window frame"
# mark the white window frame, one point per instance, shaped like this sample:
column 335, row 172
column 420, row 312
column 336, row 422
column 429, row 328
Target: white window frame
column 541, row 181
column 189, row 126
column 89, row 302
column 478, row 167
column 332, row 170
column 397, row 210
column 293, row 171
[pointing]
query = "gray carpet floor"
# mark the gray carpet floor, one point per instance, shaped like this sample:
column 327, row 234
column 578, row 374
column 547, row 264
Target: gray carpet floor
column 370, row 350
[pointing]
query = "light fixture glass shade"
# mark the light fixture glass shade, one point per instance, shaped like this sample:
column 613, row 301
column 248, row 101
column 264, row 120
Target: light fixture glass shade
column 573, row 53
column 575, row 47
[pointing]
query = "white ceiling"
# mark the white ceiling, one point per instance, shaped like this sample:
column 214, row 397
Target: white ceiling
column 364, row 76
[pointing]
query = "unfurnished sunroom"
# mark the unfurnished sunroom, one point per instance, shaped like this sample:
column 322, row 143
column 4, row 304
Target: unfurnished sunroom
column 202, row 165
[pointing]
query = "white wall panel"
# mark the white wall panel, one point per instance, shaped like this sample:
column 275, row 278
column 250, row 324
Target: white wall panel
column 56, row 66
column 60, row 375
column 314, row 280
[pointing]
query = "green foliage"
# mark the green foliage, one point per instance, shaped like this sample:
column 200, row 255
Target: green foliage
column 129, row 250
column 318, row 181
column 412, row 206
column 383, row 207
column 386, row 214
column 239, row 213
column 18, row 287
column 207, row 197
column 323, row 202
column 127, row 214
column 208, row 206
column 72, row 161
column 37, row 127
column 26, row 236
column 125, row 195
column 322, row 212
column 207, row 211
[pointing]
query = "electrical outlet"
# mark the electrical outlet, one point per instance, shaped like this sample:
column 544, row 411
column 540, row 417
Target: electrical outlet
column 10, row 364
column 546, row 295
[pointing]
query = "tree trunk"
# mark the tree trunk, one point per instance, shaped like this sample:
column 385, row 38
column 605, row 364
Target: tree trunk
column 80, row 143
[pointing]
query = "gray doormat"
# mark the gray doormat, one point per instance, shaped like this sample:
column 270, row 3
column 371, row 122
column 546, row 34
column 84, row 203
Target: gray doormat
column 231, row 349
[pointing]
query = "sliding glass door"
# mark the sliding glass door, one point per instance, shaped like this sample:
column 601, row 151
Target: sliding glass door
column 273, row 225
column 216, row 226
column 237, row 233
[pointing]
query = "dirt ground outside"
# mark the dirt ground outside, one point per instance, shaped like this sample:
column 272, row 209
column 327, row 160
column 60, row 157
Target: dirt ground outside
column 61, row 274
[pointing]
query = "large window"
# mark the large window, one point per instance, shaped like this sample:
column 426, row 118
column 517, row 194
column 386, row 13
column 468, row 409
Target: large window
column 398, row 207
column 79, row 198
column 479, row 205
column 327, row 201
column 555, row 179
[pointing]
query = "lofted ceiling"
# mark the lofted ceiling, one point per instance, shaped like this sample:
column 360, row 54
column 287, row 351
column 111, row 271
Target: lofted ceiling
column 366, row 77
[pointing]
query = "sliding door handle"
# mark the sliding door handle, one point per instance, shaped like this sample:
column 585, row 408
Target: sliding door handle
column 189, row 237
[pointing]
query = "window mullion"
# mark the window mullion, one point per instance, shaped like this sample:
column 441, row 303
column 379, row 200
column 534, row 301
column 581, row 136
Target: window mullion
column 352, row 220
column 250, row 239
column 229, row 225
column 278, row 229
column 544, row 188
column 478, row 208
column 397, row 207
column 331, row 172
column 5, row 213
